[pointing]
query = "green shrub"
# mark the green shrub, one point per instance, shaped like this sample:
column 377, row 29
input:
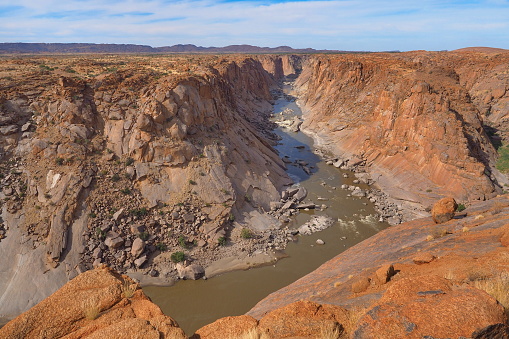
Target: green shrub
column 221, row 241
column 178, row 256
column 126, row 191
column 59, row 161
column 461, row 207
column 246, row 233
column 161, row 247
column 144, row 236
column 503, row 159
column 192, row 182
column 129, row 161
column 182, row 241
column 115, row 177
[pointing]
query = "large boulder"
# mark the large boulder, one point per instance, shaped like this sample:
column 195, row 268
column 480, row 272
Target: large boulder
column 96, row 304
column 443, row 210
column 228, row 327
column 191, row 272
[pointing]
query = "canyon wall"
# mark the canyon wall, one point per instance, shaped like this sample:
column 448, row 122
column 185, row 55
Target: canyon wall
column 176, row 150
column 409, row 119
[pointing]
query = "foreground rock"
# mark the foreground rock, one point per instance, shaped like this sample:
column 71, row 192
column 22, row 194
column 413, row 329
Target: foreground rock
column 444, row 210
column 411, row 281
column 96, row 304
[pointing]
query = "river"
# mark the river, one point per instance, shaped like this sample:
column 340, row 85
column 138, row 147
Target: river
column 194, row 304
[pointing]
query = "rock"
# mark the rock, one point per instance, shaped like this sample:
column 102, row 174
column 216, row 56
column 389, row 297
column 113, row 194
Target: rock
column 26, row 127
column 292, row 191
column 423, row 306
column 384, row 274
column 303, row 319
column 301, row 194
column 361, row 284
column 188, row 217
column 137, row 228
column 496, row 331
column 443, row 210
column 130, row 171
column 339, row 164
column 137, row 247
column 317, row 223
column 320, row 242
column 306, row 205
column 423, row 258
column 118, row 214
column 192, row 272
column 113, row 240
column 287, row 205
column 69, row 312
column 153, row 273
column 275, row 205
column 98, row 253
column 140, row 261
column 228, row 327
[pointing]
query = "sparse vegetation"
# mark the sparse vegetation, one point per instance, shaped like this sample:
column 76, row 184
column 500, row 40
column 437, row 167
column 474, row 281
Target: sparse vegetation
column 59, row 161
column 139, row 212
column 221, row 241
column 128, row 289
column 90, row 309
column 182, row 241
column 246, row 233
column 461, row 207
column 178, row 256
column 503, row 159
column 129, row 161
column 192, row 182
column 144, row 236
column 161, row 247
column 115, row 177
column 100, row 233
column 126, row 191
column 497, row 287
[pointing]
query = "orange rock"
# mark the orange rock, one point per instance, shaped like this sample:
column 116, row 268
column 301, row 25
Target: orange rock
column 361, row 284
column 228, row 327
column 428, row 306
column 504, row 240
column 93, row 305
column 423, row 258
column 303, row 319
column 443, row 210
column 384, row 274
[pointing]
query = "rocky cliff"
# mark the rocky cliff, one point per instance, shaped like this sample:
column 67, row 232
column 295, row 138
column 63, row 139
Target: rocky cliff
column 415, row 121
column 126, row 161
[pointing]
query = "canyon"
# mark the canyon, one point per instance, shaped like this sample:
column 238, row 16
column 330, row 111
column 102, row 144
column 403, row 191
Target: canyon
column 128, row 160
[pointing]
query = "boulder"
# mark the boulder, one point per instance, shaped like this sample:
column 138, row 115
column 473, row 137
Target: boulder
column 301, row 194
column 497, row 331
column 140, row 261
column 423, row 258
column 384, row 274
column 303, row 319
column 137, row 248
column 191, row 272
column 113, row 240
column 443, row 210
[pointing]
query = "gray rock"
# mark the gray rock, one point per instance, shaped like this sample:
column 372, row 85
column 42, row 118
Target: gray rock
column 113, row 240
column 137, row 248
column 275, row 205
column 287, row 205
column 306, row 205
column 301, row 194
column 98, row 253
column 140, row 261
column 188, row 217
column 118, row 214
column 130, row 171
column 192, row 272
column 320, row 242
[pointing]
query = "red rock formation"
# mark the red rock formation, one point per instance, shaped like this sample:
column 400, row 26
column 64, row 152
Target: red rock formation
column 408, row 117
column 96, row 304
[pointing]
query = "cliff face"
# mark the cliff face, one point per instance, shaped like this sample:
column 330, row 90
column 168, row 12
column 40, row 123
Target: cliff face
column 408, row 118
column 98, row 153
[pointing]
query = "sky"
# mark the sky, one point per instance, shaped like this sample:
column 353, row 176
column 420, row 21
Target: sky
column 367, row 25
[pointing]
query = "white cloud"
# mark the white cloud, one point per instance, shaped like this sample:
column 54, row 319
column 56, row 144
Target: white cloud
column 353, row 25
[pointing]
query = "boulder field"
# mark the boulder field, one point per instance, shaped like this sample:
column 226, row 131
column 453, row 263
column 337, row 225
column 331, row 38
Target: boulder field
column 415, row 280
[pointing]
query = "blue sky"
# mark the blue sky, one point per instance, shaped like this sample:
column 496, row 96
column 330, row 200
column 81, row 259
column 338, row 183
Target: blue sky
column 374, row 25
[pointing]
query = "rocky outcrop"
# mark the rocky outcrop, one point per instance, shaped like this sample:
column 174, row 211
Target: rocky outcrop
column 406, row 118
column 96, row 304
column 415, row 279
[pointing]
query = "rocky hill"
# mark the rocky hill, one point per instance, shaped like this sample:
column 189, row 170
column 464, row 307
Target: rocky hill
column 77, row 48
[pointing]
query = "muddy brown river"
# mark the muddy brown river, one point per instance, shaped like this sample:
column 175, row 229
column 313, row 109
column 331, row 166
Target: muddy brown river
column 194, row 304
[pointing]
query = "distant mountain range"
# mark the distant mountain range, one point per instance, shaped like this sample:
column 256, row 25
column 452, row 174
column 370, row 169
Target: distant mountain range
column 59, row 48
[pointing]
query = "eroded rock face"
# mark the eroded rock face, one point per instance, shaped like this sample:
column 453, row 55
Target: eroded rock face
column 96, row 304
column 408, row 118
column 443, row 210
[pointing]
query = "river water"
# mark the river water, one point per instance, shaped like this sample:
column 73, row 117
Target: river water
column 194, row 304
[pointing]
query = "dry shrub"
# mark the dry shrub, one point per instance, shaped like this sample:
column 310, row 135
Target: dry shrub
column 496, row 286
column 354, row 314
column 331, row 332
column 128, row 289
column 449, row 275
column 253, row 333
column 90, row 309
column 438, row 232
